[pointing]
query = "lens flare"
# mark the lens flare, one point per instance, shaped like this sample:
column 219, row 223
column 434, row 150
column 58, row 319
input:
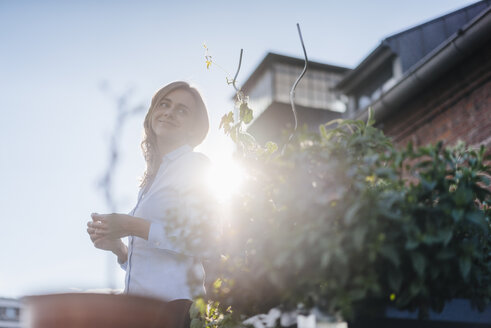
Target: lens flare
column 225, row 178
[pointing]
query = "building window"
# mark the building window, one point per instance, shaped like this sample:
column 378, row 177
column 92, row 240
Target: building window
column 315, row 90
column 381, row 81
column 9, row 313
column 261, row 95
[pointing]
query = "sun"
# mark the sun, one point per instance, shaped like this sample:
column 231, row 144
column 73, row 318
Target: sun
column 225, row 178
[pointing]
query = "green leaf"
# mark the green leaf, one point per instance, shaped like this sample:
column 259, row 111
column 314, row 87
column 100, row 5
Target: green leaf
column 485, row 180
column 245, row 113
column 409, row 147
column 351, row 213
column 414, row 289
column 445, row 254
column 404, row 298
column 395, row 280
column 477, row 217
column 391, row 254
column 217, row 284
column 428, row 185
column 234, row 132
column 371, row 120
column 445, row 236
column 465, row 266
column 246, row 138
column 200, row 305
column 357, row 294
column 411, row 244
column 457, row 215
column 419, row 263
column 226, row 122
column 325, row 259
column 435, row 271
column 323, row 131
column 271, row 147
column 463, row 196
column 359, row 234
column 336, row 121
column 194, row 311
column 196, row 323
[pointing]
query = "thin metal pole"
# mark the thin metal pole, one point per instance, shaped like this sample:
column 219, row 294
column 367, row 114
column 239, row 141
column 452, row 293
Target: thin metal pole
column 239, row 94
column 292, row 91
column 238, row 69
column 237, row 90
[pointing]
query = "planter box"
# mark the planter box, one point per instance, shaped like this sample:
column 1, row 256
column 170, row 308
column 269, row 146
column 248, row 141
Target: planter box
column 99, row 310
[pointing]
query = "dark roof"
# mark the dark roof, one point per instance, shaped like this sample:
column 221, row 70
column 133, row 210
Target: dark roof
column 414, row 44
column 271, row 58
column 440, row 60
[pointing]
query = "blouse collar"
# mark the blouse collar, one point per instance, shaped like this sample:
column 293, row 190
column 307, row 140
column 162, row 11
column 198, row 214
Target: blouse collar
column 177, row 153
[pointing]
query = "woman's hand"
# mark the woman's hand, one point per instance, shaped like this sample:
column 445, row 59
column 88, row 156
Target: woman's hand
column 101, row 242
column 116, row 225
column 108, row 244
column 110, row 226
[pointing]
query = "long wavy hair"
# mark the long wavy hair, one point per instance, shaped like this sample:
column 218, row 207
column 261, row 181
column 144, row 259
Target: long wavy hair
column 149, row 146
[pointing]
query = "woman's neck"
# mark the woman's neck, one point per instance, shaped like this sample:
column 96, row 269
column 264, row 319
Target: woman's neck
column 167, row 147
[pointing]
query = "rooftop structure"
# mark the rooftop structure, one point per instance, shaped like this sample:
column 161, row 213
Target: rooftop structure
column 405, row 63
column 269, row 86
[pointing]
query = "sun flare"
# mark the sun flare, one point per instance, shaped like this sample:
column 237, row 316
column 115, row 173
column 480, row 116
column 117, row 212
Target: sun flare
column 225, row 178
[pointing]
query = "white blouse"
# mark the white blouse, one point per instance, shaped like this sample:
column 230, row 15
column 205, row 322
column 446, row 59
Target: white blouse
column 157, row 267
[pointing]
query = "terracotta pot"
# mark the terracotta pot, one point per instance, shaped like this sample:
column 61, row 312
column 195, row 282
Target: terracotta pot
column 99, row 310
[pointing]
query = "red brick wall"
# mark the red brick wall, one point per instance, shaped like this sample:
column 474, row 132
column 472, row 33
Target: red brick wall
column 455, row 107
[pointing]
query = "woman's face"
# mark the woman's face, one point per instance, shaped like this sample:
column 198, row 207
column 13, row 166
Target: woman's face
column 173, row 117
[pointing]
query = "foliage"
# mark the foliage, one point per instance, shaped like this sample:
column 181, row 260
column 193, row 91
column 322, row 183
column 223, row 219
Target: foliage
column 210, row 315
column 345, row 222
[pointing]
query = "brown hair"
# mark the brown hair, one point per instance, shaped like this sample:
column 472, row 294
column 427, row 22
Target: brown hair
column 149, row 143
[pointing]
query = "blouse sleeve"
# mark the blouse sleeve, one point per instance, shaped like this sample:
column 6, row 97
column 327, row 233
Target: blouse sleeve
column 190, row 209
column 124, row 265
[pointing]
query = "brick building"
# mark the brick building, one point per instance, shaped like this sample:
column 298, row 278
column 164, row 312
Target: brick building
column 431, row 82
column 428, row 83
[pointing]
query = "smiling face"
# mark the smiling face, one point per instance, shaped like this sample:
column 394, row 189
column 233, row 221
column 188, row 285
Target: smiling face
column 173, row 118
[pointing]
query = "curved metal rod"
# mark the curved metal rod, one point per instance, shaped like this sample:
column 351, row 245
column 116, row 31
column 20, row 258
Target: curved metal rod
column 292, row 91
column 238, row 69
column 238, row 92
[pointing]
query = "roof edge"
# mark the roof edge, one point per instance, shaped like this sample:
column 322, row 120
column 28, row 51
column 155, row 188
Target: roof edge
column 351, row 80
column 272, row 57
column 368, row 65
column 432, row 66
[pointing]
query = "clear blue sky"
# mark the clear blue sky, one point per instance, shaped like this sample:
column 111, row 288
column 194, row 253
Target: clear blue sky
column 55, row 120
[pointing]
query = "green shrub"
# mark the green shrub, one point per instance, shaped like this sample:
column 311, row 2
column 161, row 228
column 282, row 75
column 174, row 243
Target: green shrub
column 344, row 222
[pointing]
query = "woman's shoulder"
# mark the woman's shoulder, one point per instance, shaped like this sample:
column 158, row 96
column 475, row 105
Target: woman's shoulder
column 194, row 158
column 193, row 169
column 192, row 163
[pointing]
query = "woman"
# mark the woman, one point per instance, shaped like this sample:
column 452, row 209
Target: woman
column 155, row 266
